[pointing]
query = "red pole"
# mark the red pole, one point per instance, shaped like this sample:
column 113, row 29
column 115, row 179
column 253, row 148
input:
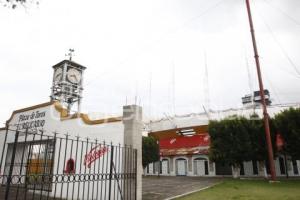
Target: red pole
column 262, row 96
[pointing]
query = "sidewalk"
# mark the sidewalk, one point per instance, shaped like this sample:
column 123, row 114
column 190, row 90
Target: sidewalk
column 164, row 187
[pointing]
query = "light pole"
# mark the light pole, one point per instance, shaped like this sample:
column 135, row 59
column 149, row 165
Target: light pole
column 262, row 96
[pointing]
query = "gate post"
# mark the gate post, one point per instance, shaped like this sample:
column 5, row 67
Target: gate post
column 132, row 120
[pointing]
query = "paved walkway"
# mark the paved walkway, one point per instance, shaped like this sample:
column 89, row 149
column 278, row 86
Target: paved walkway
column 159, row 188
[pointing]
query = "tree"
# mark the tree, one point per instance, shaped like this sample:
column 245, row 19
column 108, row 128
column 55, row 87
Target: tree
column 230, row 142
column 288, row 124
column 15, row 3
column 150, row 151
column 257, row 137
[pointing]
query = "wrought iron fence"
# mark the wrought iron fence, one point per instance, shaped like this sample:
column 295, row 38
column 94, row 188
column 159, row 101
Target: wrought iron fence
column 39, row 165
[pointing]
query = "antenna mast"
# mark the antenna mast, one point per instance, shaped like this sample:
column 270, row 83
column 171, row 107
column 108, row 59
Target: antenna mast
column 206, row 86
column 262, row 96
column 150, row 95
column 249, row 75
column 173, row 88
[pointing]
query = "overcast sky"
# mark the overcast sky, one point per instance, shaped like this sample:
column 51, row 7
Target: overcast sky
column 125, row 45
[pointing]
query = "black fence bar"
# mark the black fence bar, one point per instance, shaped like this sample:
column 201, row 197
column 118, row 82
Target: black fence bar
column 135, row 172
column 9, row 177
column 105, row 179
column 57, row 167
column 76, row 153
column 127, row 179
column 130, row 168
column 94, row 175
column 98, row 172
column 86, row 153
column 21, row 168
column 3, row 148
column 68, row 163
column 118, row 172
column 52, row 163
column 64, row 165
column 80, row 170
column 102, row 175
column 36, row 178
column 27, row 180
column 115, row 175
column 44, row 175
column 110, row 171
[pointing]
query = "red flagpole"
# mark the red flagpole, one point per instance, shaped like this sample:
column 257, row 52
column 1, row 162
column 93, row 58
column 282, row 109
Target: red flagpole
column 262, row 95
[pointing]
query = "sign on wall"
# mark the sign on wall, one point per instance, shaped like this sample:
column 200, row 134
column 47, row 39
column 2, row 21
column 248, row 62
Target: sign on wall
column 34, row 119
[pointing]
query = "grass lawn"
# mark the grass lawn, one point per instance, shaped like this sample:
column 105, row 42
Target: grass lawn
column 249, row 190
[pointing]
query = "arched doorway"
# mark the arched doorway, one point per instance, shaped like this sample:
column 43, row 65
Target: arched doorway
column 181, row 167
column 200, row 166
column 165, row 166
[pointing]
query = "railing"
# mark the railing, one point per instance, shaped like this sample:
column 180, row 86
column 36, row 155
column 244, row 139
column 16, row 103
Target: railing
column 39, row 165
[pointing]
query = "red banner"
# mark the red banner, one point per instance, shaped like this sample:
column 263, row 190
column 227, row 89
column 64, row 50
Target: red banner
column 202, row 140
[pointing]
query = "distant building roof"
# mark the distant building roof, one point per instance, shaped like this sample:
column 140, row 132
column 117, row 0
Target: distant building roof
column 168, row 125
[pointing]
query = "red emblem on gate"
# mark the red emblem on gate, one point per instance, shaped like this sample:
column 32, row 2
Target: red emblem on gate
column 94, row 154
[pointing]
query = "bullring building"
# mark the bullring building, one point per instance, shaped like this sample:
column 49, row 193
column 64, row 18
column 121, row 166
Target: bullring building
column 184, row 145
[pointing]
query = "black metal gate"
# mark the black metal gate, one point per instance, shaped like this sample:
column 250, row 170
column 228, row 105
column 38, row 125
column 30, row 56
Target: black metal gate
column 40, row 165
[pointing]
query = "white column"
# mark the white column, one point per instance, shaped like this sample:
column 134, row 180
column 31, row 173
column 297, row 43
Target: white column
column 132, row 120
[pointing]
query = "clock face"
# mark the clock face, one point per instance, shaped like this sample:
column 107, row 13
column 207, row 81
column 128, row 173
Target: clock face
column 74, row 76
column 58, row 75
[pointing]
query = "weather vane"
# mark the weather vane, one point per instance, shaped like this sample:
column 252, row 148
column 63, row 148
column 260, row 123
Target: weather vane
column 70, row 53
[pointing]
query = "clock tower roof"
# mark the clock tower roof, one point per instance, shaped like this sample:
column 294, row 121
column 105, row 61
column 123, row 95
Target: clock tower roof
column 74, row 64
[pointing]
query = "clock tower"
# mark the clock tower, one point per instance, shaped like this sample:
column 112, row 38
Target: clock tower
column 67, row 84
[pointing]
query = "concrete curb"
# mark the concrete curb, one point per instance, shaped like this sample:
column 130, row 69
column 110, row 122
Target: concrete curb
column 185, row 194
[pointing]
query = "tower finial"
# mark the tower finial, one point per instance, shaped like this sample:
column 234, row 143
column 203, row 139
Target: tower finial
column 70, row 53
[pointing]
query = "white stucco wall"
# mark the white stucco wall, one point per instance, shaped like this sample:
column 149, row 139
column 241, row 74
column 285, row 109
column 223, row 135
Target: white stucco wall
column 109, row 132
column 48, row 119
column 248, row 167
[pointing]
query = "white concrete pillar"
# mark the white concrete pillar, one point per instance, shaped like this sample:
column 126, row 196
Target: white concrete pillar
column 298, row 166
column 132, row 120
column 190, row 166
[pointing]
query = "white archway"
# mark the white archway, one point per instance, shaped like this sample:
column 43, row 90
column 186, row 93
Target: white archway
column 181, row 166
column 201, row 167
column 165, row 166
